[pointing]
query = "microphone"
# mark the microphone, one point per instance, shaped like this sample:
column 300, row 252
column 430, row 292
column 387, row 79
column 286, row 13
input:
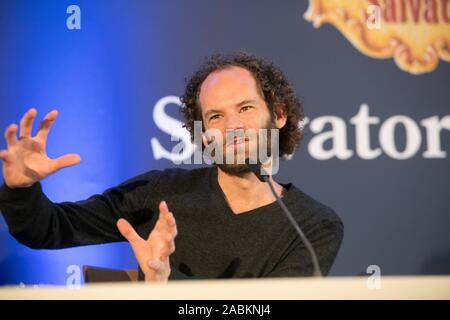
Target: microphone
column 263, row 176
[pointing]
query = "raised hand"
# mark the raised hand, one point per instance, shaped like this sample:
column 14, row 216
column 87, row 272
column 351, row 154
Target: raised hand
column 25, row 160
column 153, row 253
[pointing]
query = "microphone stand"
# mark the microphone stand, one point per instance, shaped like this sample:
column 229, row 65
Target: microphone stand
column 263, row 176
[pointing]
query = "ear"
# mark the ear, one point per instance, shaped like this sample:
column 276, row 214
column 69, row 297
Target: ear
column 204, row 140
column 280, row 116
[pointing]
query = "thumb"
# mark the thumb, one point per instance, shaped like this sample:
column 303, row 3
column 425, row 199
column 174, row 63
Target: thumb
column 4, row 155
column 127, row 231
column 67, row 160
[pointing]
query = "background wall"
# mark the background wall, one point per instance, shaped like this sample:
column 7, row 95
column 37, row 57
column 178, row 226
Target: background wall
column 107, row 77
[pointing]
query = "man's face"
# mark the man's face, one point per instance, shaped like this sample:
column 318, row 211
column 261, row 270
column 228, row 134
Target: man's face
column 230, row 101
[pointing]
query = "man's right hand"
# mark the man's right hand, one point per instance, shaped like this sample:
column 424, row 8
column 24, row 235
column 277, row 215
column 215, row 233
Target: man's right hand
column 25, row 160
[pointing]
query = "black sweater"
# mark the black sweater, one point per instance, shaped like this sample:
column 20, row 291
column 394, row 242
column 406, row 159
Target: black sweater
column 212, row 241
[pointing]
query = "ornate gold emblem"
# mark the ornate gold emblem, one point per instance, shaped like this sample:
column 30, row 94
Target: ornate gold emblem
column 415, row 33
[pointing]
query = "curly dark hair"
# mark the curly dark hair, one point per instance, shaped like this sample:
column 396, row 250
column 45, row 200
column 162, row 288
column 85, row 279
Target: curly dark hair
column 272, row 85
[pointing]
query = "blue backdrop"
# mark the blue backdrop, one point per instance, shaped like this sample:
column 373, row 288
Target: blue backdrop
column 106, row 78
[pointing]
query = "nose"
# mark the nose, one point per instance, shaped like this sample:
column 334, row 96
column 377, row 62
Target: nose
column 234, row 127
column 234, row 122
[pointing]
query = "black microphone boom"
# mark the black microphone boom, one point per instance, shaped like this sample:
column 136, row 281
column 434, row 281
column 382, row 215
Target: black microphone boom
column 263, row 176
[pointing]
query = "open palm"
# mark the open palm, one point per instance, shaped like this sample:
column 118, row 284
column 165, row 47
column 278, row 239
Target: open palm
column 25, row 161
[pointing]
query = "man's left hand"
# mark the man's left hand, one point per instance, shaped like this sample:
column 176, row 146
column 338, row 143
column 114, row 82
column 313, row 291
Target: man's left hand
column 153, row 254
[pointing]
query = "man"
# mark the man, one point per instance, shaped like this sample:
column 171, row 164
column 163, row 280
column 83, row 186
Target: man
column 224, row 222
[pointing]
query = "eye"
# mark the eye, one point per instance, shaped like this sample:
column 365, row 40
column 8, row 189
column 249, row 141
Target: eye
column 214, row 117
column 245, row 108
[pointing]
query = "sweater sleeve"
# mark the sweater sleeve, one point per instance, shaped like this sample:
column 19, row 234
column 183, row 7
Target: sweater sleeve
column 325, row 236
column 38, row 223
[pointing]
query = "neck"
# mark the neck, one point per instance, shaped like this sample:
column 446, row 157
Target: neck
column 246, row 192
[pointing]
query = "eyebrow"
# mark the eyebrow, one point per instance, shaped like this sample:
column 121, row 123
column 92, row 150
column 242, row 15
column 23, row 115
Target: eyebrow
column 240, row 104
column 211, row 111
